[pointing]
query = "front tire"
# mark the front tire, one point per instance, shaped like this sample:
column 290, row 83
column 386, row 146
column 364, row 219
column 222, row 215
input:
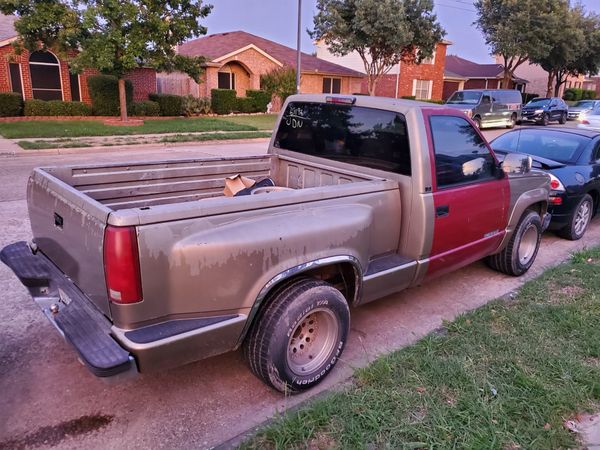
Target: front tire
column 545, row 120
column 300, row 336
column 477, row 121
column 580, row 220
column 513, row 122
column 563, row 119
column 520, row 253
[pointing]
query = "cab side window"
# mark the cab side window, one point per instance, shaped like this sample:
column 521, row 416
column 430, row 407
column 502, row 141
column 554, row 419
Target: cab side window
column 461, row 155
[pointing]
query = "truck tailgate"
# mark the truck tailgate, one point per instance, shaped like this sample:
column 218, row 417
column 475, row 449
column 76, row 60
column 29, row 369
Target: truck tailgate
column 68, row 227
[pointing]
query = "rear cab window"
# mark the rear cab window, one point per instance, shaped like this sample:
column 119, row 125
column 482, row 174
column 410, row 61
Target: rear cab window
column 366, row 137
column 461, row 155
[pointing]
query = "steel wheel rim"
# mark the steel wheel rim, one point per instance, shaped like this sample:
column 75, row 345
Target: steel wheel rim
column 528, row 244
column 582, row 217
column 312, row 342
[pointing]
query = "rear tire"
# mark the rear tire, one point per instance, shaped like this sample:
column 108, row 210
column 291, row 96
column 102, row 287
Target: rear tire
column 563, row 119
column 299, row 337
column 518, row 256
column 580, row 220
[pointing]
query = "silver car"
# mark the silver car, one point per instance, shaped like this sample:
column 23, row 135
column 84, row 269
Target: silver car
column 582, row 108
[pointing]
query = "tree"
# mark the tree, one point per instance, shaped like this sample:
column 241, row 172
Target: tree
column 517, row 30
column 575, row 47
column 382, row 32
column 280, row 82
column 112, row 36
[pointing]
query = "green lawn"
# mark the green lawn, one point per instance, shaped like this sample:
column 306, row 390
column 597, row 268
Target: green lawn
column 69, row 129
column 506, row 376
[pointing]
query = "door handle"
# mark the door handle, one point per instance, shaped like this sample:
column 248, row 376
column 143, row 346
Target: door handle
column 442, row 211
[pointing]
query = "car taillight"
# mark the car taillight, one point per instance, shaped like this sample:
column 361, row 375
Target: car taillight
column 556, row 200
column 584, row 121
column 122, row 265
column 555, row 184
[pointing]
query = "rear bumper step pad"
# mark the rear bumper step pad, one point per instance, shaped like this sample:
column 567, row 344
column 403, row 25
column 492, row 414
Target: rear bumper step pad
column 81, row 324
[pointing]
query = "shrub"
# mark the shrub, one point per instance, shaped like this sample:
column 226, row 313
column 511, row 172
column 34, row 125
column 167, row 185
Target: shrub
column 56, row 108
column 408, row 97
column 145, row 108
column 259, row 100
column 193, row 106
column 244, row 105
column 170, row 105
column 11, row 104
column 223, row 101
column 588, row 95
column 576, row 94
column 280, row 82
column 104, row 92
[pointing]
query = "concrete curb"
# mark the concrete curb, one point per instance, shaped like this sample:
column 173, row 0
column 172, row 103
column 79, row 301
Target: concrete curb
column 121, row 148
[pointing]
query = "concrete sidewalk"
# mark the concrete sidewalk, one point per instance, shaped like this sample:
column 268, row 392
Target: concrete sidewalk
column 9, row 147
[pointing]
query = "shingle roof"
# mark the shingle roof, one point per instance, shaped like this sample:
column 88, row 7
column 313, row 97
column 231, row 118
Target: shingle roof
column 470, row 69
column 218, row 45
column 7, row 28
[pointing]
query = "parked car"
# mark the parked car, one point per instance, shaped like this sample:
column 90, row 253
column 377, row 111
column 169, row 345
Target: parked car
column 489, row 107
column 572, row 158
column 545, row 110
column 591, row 121
column 148, row 265
column 582, row 108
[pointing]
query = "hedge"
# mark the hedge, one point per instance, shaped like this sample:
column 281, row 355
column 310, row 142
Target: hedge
column 170, row 105
column 244, row 105
column 145, row 108
column 56, row 108
column 260, row 100
column 223, row 101
column 104, row 92
column 193, row 106
column 576, row 94
column 11, row 104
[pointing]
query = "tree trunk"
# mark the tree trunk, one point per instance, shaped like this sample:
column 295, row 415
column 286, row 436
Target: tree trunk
column 506, row 80
column 122, row 100
column 372, row 85
column 550, row 84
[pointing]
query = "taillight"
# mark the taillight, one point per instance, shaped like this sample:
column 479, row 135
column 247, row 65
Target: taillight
column 555, row 184
column 556, row 200
column 122, row 265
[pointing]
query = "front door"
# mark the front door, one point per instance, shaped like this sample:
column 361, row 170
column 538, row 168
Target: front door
column 471, row 194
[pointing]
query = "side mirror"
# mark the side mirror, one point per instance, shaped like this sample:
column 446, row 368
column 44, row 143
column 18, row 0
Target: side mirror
column 517, row 163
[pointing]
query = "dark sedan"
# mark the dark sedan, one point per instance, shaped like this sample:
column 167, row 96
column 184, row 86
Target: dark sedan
column 572, row 158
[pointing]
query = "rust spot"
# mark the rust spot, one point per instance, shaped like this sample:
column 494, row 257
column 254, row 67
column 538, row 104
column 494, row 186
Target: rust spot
column 54, row 434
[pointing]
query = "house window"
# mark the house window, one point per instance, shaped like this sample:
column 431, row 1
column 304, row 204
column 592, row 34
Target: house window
column 45, row 76
column 422, row 89
column 74, row 81
column 15, row 78
column 226, row 80
column 332, row 85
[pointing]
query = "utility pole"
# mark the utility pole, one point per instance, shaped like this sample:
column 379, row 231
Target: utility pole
column 298, row 51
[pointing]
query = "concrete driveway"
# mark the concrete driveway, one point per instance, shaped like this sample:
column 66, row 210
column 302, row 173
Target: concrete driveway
column 49, row 399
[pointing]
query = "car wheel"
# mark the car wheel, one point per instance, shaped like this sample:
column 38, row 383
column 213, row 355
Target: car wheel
column 563, row 119
column 299, row 337
column 477, row 121
column 545, row 120
column 518, row 256
column 512, row 122
column 582, row 215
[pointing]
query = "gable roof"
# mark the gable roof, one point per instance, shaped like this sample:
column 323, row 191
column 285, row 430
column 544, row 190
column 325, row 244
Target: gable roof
column 470, row 69
column 7, row 28
column 217, row 46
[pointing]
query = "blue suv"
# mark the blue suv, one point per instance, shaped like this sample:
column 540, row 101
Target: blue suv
column 545, row 110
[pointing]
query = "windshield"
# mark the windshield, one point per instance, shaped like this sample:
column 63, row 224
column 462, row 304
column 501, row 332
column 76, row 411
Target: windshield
column 555, row 145
column 539, row 102
column 467, row 97
column 364, row 136
column 585, row 104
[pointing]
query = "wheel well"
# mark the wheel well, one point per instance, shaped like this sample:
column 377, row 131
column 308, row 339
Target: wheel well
column 343, row 276
column 540, row 208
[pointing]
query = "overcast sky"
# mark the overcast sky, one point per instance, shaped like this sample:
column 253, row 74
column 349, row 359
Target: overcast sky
column 277, row 20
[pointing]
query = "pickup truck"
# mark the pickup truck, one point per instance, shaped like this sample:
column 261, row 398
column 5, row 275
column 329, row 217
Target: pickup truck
column 148, row 265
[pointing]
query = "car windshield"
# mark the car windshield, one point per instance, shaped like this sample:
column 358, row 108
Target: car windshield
column 539, row 102
column 554, row 145
column 585, row 104
column 465, row 97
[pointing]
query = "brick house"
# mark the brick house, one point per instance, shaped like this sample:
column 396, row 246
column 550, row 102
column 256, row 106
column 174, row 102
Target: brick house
column 44, row 76
column 237, row 60
column 423, row 81
column 461, row 73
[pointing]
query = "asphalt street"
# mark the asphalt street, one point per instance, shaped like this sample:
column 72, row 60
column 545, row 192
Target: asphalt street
column 47, row 398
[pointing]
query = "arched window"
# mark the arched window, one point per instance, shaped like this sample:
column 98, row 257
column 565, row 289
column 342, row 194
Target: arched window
column 45, row 76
